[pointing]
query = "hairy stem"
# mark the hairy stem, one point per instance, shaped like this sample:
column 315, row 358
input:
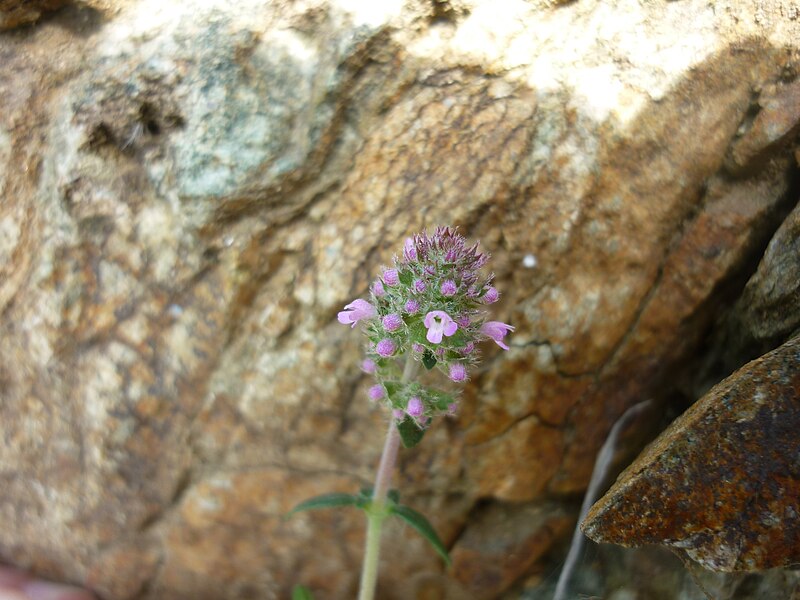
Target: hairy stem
column 377, row 510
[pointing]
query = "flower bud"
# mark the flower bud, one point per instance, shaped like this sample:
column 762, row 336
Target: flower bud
column 390, row 277
column 385, row 347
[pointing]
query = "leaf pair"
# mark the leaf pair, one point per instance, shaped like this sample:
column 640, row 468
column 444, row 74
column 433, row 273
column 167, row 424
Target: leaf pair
column 363, row 501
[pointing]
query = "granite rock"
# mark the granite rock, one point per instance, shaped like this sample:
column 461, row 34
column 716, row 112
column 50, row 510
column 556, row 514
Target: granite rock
column 192, row 190
column 14, row 13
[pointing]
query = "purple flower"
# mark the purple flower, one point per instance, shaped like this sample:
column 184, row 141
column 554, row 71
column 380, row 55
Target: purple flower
column 376, row 392
column 418, row 348
column 377, row 288
column 468, row 348
column 458, row 372
column 392, row 322
column 419, row 286
column 385, row 347
column 439, row 322
column 412, row 306
column 410, row 250
column 497, row 331
column 449, row 288
column 390, row 277
column 398, row 414
column 491, row 295
column 452, row 408
column 414, row 407
column 355, row 311
column 368, row 366
column 423, row 420
column 462, row 321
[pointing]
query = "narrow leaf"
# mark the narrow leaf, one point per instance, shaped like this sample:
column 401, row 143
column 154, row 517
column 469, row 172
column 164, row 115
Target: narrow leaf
column 429, row 360
column 301, row 592
column 423, row 527
column 410, row 433
column 325, row 501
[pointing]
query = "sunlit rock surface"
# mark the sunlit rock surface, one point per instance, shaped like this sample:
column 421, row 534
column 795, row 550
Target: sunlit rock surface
column 192, row 190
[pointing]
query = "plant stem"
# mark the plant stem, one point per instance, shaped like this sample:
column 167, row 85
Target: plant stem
column 377, row 510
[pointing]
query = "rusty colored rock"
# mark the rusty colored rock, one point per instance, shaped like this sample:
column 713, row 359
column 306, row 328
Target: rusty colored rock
column 722, row 482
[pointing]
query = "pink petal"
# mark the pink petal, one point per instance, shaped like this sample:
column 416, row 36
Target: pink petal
column 434, row 335
column 450, row 327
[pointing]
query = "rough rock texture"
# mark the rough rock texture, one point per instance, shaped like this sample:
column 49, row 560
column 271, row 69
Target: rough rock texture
column 722, row 482
column 14, row 13
column 190, row 191
column 498, row 546
column 766, row 312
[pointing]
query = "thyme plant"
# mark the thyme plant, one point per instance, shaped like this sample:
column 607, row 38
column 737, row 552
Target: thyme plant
column 427, row 311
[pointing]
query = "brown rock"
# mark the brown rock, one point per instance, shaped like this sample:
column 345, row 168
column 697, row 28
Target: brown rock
column 722, row 482
column 502, row 543
column 14, row 13
column 192, row 190
column 767, row 309
column 777, row 121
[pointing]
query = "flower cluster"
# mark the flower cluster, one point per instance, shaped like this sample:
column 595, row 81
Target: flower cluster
column 430, row 305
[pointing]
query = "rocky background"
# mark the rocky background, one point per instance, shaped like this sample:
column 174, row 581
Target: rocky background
column 190, row 191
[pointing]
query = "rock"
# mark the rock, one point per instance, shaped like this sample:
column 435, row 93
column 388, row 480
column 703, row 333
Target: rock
column 193, row 190
column 502, row 543
column 722, row 482
column 766, row 312
column 14, row 13
column 655, row 573
column 777, row 120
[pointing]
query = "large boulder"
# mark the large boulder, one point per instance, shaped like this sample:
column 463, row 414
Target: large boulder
column 192, row 190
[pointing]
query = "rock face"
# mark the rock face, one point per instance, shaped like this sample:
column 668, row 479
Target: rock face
column 767, row 312
column 14, row 13
column 192, row 190
column 722, row 482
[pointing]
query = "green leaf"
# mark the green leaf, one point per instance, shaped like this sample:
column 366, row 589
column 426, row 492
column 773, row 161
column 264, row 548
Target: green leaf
column 440, row 399
column 394, row 496
column 458, row 339
column 393, row 388
column 326, row 501
column 417, row 331
column 406, row 277
column 301, row 592
column 410, row 433
column 429, row 360
column 423, row 527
